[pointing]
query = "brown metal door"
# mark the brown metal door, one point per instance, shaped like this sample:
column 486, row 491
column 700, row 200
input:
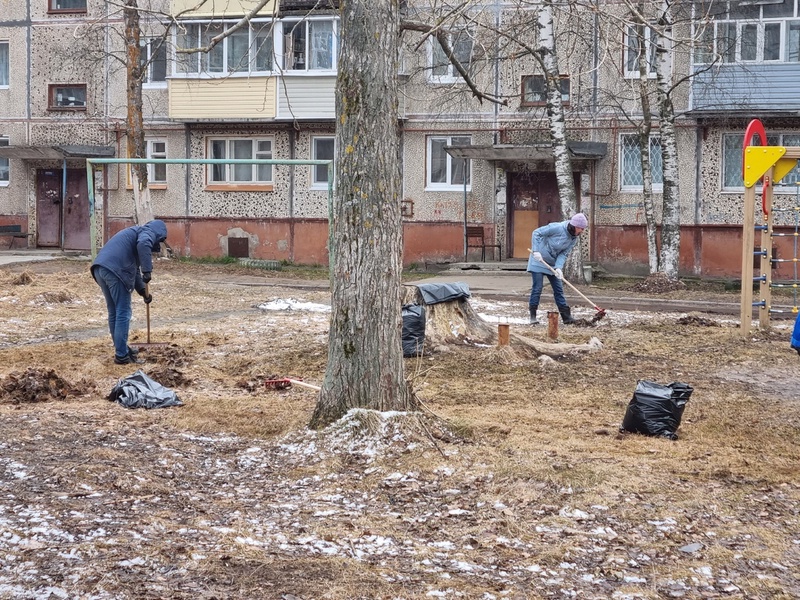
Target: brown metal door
column 48, row 207
column 76, row 211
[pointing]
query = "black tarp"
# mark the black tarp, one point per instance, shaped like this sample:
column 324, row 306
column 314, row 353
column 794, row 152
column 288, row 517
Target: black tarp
column 434, row 293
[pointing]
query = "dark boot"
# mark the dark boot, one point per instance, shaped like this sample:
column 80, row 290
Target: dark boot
column 566, row 315
column 532, row 310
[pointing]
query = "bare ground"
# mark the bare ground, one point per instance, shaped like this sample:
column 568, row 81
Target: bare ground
column 521, row 486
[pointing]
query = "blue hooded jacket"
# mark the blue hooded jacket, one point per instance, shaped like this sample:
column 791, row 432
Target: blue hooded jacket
column 555, row 242
column 128, row 253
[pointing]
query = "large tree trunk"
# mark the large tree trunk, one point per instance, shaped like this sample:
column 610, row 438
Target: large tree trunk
column 558, row 128
column 365, row 358
column 143, row 209
column 671, row 220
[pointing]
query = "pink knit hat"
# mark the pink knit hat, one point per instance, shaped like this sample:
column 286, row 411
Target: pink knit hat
column 579, row 220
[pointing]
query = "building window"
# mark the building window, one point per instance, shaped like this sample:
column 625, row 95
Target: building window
column 631, row 163
column 732, row 179
column 3, row 64
column 247, row 50
column 309, row 45
column 154, row 61
column 632, row 46
column 442, row 69
column 5, row 170
column 156, row 148
column 239, row 149
column 749, row 31
column 534, row 90
column 67, row 97
column 443, row 171
column 68, row 5
column 322, row 148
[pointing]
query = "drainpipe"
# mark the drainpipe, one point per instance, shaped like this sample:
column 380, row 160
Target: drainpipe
column 187, row 140
column 292, row 150
column 465, row 210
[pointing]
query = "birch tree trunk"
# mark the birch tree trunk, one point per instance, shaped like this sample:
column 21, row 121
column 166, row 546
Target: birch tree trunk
column 557, row 123
column 365, row 358
column 671, row 219
column 644, row 143
column 143, row 208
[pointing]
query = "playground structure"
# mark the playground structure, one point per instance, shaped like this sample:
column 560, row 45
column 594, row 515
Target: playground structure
column 768, row 164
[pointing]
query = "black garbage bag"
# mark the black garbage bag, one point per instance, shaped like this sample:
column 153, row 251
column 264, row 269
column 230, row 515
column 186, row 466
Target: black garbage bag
column 139, row 391
column 656, row 409
column 413, row 329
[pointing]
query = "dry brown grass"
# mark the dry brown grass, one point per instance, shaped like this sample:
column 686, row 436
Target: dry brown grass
column 229, row 496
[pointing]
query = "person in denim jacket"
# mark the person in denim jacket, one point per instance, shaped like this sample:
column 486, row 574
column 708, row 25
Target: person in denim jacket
column 552, row 244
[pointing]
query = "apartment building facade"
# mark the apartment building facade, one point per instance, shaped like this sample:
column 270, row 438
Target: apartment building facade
column 268, row 91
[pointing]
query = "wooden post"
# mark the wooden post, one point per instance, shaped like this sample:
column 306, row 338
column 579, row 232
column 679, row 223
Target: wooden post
column 748, row 239
column 552, row 325
column 502, row 334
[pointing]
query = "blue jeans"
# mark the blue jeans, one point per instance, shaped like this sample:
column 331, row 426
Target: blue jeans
column 538, row 284
column 118, row 303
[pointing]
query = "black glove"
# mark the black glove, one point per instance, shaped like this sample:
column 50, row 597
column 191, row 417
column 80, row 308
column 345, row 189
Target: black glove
column 146, row 276
column 148, row 298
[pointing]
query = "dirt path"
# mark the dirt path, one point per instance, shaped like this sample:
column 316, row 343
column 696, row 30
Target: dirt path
column 526, row 491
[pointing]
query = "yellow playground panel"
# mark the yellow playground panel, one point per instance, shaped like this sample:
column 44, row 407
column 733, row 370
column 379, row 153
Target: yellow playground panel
column 767, row 164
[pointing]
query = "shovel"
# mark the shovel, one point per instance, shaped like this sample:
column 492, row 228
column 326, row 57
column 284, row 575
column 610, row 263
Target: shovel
column 600, row 311
column 149, row 344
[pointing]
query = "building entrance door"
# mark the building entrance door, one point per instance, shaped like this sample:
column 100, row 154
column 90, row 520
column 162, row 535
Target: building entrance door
column 533, row 202
column 62, row 216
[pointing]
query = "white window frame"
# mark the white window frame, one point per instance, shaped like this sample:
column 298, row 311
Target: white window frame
column 447, row 185
column 773, row 139
column 6, row 66
column 710, row 46
column 317, row 183
column 650, row 53
column 147, row 46
column 216, row 64
column 150, row 143
column 5, row 141
column 290, row 58
column 623, row 187
column 451, row 75
column 229, row 170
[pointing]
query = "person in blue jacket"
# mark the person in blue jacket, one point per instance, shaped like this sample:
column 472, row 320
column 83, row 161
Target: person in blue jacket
column 125, row 264
column 552, row 244
column 795, row 343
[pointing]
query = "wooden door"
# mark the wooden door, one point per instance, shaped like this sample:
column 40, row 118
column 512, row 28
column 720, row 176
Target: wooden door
column 533, row 203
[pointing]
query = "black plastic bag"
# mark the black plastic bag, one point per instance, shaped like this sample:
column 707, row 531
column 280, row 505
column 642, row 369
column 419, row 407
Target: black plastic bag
column 656, row 409
column 413, row 329
column 139, row 391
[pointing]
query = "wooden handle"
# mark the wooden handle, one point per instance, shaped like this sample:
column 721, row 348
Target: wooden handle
column 147, row 309
column 574, row 289
column 304, row 384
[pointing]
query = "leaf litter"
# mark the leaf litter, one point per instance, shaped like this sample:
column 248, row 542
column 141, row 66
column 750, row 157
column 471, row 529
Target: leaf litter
column 517, row 487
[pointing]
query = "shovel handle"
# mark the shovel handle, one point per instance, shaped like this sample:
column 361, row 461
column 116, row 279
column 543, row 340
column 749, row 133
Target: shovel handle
column 574, row 289
column 147, row 309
